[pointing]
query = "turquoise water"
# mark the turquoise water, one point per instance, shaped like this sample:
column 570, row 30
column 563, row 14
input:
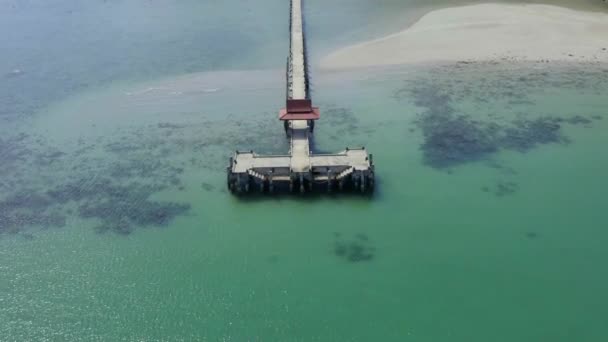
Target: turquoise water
column 115, row 223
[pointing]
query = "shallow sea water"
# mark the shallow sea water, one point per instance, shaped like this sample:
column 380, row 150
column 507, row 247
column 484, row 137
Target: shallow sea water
column 504, row 244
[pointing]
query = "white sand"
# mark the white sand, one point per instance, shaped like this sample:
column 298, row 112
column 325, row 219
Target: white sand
column 486, row 32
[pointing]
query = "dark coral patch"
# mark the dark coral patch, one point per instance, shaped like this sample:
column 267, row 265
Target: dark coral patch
column 119, row 208
column 451, row 139
column 502, row 188
column 532, row 235
column 208, row 187
column 356, row 249
column 525, row 135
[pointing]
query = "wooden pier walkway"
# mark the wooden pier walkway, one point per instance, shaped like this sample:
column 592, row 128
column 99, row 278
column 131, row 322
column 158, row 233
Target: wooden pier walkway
column 350, row 169
column 298, row 85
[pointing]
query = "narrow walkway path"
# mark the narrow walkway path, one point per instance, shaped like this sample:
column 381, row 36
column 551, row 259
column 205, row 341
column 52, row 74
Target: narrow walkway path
column 300, row 145
column 300, row 170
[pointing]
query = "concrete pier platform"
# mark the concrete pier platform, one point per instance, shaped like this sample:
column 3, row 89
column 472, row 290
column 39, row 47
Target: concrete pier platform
column 300, row 169
column 351, row 169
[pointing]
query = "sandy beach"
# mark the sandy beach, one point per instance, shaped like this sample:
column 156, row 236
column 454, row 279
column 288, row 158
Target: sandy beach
column 485, row 32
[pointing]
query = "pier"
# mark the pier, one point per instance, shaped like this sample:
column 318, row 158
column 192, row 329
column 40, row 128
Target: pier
column 300, row 169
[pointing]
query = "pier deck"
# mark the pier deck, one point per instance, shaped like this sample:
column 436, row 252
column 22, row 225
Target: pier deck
column 349, row 169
